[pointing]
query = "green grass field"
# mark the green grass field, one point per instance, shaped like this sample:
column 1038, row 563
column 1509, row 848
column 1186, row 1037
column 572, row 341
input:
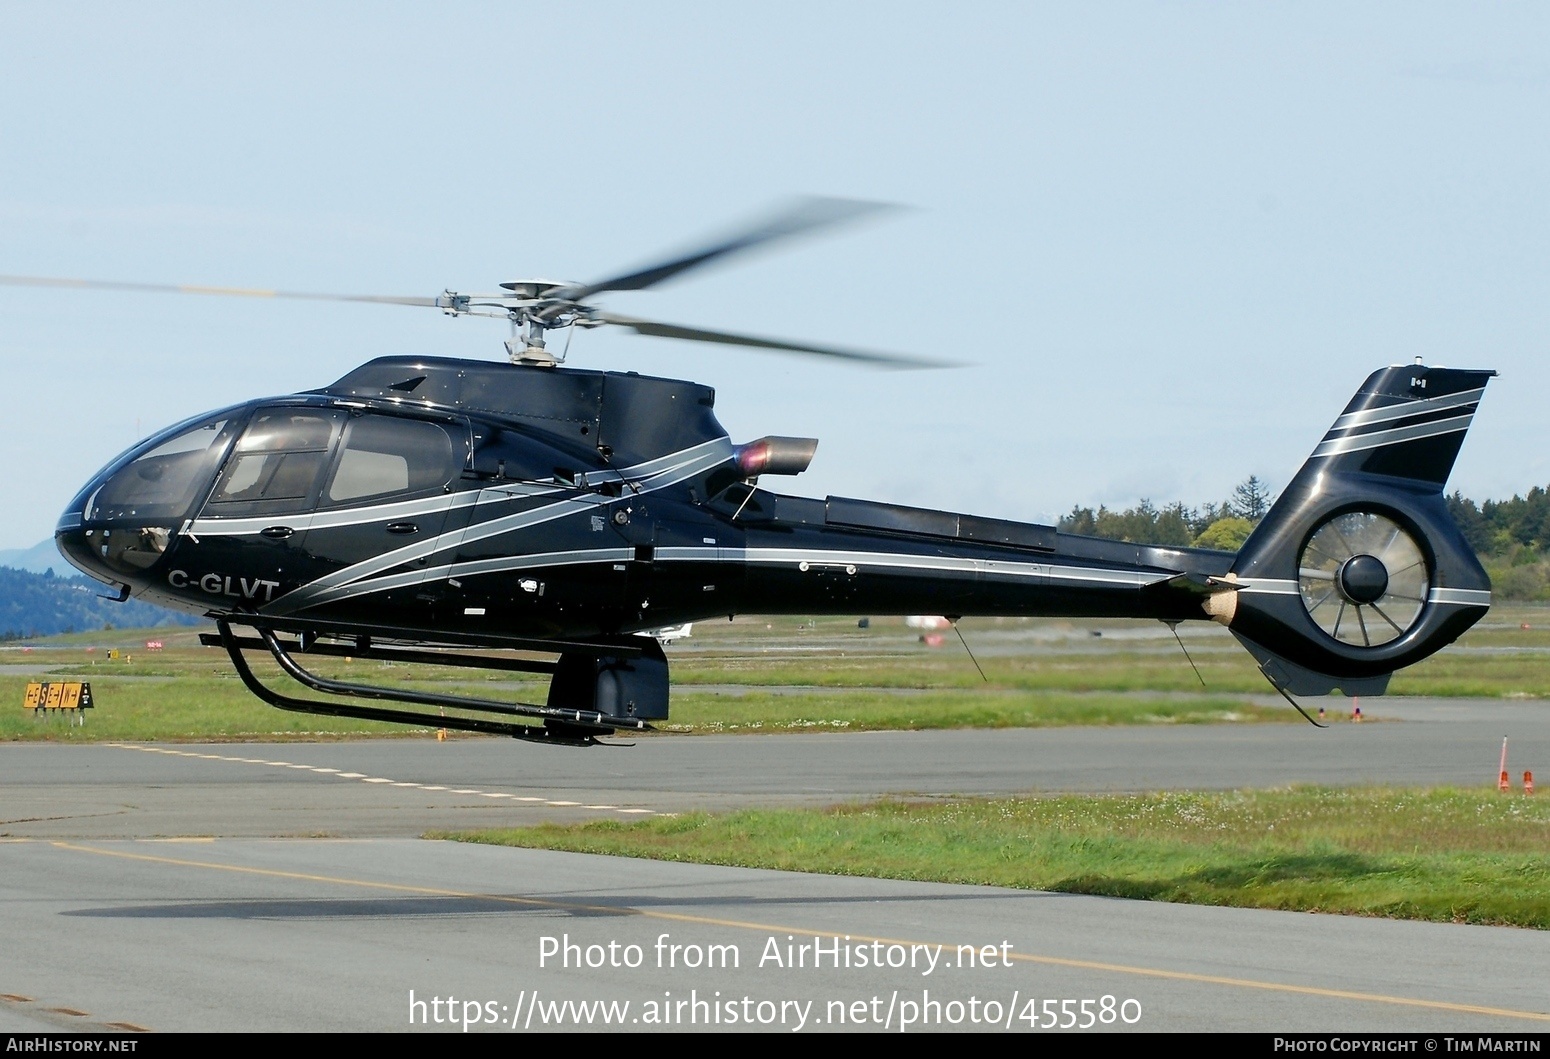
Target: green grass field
column 1464, row 856
column 1447, row 855
column 786, row 674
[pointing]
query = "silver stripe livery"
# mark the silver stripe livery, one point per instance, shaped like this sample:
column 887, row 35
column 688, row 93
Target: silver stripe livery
column 795, row 557
column 1368, row 416
column 1378, row 439
column 945, row 564
column 1269, row 586
column 1464, row 597
column 348, row 582
column 509, row 564
column 216, row 526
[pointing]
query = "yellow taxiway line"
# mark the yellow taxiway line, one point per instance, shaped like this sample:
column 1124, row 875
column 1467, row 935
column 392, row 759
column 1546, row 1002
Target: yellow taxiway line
column 681, row 917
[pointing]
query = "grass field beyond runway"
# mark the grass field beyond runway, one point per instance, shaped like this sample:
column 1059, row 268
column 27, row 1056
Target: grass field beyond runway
column 1462, row 856
column 785, row 674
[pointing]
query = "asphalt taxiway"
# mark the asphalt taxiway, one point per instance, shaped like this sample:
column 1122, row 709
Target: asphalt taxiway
column 244, row 934
column 405, row 787
column 282, row 886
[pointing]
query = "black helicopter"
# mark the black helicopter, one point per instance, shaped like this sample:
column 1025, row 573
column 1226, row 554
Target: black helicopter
column 474, row 514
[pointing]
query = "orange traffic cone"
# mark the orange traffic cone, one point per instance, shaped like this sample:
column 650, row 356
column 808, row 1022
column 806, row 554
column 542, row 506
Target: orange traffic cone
column 1504, row 782
column 1528, row 783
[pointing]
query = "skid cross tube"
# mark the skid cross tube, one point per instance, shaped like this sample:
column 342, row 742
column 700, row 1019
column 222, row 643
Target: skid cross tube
column 394, row 654
column 560, row 718
column 621, row 645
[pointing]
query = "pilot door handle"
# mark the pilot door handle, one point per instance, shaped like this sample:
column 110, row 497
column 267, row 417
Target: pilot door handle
column 276, row 533
column 402, row 527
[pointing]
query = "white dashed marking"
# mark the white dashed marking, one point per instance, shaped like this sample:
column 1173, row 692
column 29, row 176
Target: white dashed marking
column 380, row 779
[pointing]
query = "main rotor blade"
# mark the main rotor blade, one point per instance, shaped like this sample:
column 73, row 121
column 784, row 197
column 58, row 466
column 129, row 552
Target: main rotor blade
column 183, row 288
column 805, row 215
column 697, row 334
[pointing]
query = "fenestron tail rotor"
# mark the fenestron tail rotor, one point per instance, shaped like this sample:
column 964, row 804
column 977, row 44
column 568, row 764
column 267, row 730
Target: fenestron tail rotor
column 1363, row 578
column 537, row 306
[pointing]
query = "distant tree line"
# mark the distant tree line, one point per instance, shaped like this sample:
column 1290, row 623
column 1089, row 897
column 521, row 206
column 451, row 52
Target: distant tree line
column 1225, row 526
column 1502, row 527
column 1512, row 537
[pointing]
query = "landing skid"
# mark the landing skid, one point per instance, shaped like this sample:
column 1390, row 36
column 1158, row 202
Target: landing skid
column 563, row 727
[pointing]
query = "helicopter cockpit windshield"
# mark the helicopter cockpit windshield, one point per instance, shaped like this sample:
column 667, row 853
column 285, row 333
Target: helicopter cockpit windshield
column 159, row 485
column 135, row 506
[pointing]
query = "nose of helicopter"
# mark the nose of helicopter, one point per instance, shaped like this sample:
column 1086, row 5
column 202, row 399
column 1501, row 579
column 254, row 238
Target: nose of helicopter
column 70, row 531
column 92, row 548
column 122, row 522
column 70, row 539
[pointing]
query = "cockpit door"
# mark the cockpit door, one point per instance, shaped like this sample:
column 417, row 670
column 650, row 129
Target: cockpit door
column 247, row 545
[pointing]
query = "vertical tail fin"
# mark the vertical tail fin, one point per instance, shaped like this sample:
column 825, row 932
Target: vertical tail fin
column 1405, row 423
column 1358, row 569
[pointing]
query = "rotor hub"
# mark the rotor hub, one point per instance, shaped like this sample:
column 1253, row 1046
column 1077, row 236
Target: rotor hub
column 1363, row 579
column 533, row 288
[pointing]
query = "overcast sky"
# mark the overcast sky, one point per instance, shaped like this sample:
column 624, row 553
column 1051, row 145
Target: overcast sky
column 1171, row 240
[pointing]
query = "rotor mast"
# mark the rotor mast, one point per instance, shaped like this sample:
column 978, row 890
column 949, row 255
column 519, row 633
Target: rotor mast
column 532, row 307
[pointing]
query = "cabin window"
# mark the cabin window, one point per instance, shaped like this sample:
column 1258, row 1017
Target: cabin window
column 384, row 455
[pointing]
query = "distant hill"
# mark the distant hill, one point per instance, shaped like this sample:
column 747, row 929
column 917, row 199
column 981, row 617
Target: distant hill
column 40, row 557
column 34, row 604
